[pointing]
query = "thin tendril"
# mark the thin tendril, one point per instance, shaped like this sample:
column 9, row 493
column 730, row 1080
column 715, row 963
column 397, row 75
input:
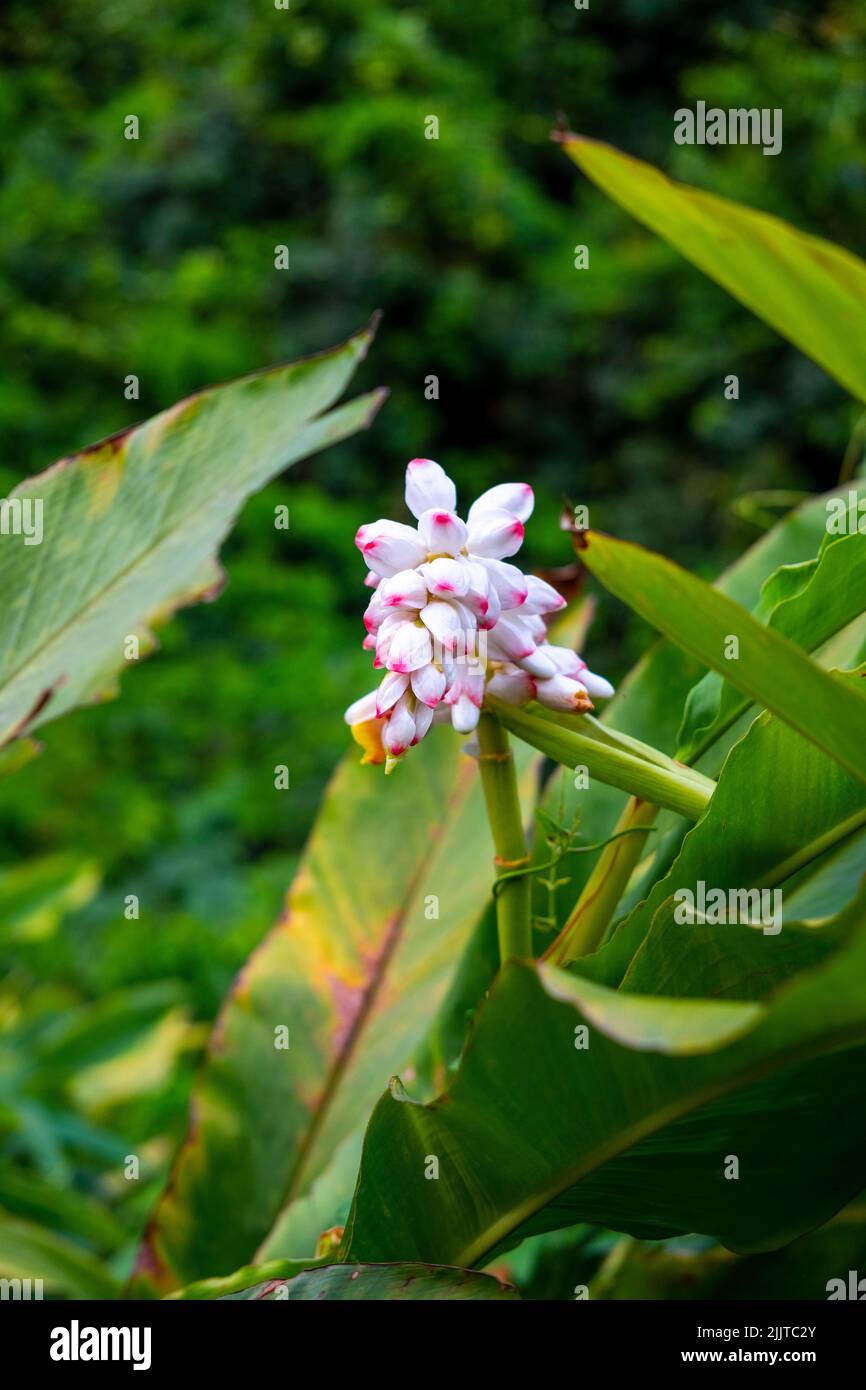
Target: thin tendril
column 572, row 849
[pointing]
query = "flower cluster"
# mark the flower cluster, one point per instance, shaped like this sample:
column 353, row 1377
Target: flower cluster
column 450, row 619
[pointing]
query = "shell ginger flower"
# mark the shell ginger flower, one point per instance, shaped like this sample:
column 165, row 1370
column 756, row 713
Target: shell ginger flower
column 451, row 619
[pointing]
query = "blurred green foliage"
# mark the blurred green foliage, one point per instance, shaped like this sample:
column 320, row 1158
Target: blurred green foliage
column 155, row 257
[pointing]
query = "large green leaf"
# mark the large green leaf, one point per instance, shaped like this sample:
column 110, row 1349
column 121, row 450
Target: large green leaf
column 28, row 1251
column 34, row 897
column 808, row 289
column 779, row 807
column 395, row 877
column 392, row 1283
column 28, row 1195
column 823, row 886
column 635, row 1130
column 93, row 1034
column 802, row 1270
column 243, row 1281
column 768, row 668
column 322, row 1205
column 131, row 525
column 808, row 603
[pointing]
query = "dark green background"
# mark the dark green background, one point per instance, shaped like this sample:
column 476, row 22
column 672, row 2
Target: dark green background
column 155, row 257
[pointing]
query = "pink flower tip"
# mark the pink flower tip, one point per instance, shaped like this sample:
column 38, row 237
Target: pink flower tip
column 518, row 529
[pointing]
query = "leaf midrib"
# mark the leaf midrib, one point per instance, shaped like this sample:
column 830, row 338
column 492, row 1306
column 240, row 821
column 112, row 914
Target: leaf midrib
column 499, row 1230
column 722, row 723
column 395, row 935
column 150, row 551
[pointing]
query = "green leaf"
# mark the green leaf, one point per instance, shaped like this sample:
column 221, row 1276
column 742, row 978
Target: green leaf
column 802, row 1270
column 139, row 1069
column 823, row 887
column 18, row 754
column 808, row 289
column 634, row 1130
column 323, row 1206
column 97, row 1033
column 27, row 1195
column 131, row 526
column 396, row 875
column 768, row 669
column 242, row 1281
column 736, row 961
column 392, row 1283
column 800, row 808
column 34, row 897
column 31, row 1252
column 808, row 603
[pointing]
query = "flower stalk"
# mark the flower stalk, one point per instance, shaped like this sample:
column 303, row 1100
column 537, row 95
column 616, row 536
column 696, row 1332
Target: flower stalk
column 676, row 788
column 499, row 781
column 591, row 727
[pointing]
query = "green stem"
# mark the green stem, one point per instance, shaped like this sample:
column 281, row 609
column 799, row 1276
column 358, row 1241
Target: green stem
column 604, row 1280
column 594, row 909
column 854, row 451
column 678, row 789
column 499, row 780
column 590, row 727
